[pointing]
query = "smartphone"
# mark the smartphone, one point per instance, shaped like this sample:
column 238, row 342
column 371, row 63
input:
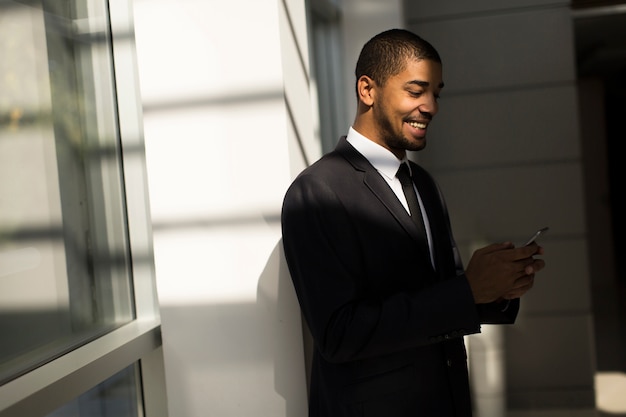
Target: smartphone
column 536, row 235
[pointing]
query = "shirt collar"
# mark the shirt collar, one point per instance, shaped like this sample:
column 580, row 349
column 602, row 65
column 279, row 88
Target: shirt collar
column 381, row 158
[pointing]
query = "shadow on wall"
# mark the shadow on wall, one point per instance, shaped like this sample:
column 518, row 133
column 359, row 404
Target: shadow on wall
column 276, row 296
column 238, row 358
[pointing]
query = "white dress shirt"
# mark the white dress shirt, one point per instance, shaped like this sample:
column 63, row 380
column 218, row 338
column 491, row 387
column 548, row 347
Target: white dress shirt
column 387, row 166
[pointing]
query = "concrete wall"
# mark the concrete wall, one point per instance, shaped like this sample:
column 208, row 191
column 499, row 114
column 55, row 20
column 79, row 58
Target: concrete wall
column 227, row 125
column 506, row 150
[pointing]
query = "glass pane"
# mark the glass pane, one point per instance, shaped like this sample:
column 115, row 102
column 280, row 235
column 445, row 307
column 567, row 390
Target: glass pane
column 64, row 263
column 118, row 396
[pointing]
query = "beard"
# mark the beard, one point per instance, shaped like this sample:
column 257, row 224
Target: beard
column 395, row 138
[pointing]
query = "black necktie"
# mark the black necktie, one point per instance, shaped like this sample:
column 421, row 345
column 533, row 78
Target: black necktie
column 411, row 198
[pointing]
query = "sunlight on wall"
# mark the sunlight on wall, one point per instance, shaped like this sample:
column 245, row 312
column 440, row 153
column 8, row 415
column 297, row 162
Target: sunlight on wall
column 217, row 125
column 222, row 266
column 611, row 392
column 214, row 113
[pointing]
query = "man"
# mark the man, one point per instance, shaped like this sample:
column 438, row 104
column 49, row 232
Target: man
column 387, row 304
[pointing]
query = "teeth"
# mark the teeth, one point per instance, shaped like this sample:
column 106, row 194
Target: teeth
column 418, row 125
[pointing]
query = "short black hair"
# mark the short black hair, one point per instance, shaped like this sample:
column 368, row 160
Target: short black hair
column 386, row 54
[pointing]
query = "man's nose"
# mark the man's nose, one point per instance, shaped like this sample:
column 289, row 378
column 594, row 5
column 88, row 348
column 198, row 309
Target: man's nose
column 429, row 108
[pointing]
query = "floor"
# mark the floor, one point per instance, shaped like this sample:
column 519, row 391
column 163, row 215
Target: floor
column 610, row 401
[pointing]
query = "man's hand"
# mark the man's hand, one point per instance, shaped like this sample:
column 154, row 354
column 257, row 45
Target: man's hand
column 502, row 271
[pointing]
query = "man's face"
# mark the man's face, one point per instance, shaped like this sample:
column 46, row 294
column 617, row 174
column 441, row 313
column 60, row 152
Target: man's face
column 406, row 104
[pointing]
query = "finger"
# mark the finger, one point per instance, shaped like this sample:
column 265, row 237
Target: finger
column 519, row 290
column 534, row 266
column 524, row 282
column 524, row 267
column 526, row 251
column 533, row 249
column 495, row 247
column 539, row 264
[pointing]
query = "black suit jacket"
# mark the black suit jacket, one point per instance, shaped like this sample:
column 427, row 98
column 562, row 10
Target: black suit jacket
column 388, row 327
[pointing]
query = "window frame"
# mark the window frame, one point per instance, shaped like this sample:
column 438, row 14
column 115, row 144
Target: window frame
column 325, row 21
column 53, row 384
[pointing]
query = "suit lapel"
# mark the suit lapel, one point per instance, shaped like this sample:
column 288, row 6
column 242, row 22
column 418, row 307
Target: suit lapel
column 383, row 192
column 379, row 187
column 446, row 263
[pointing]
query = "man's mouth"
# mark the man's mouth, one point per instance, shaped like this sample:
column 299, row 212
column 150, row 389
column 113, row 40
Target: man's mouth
column 418, row 125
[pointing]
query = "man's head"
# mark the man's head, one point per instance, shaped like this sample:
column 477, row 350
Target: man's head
column 386, row 54
column 399, row 79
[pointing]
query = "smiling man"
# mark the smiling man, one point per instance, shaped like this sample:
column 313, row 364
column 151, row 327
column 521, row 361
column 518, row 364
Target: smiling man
column 373, row 260
column 396, row 101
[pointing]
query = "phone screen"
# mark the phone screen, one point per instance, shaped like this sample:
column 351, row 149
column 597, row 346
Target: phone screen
column 536, row 235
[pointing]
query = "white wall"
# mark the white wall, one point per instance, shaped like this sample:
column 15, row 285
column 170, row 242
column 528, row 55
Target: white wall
column 362, row 19
column 226, row 107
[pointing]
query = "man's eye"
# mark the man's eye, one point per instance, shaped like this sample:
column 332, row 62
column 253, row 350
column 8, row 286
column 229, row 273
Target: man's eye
column 415, row 93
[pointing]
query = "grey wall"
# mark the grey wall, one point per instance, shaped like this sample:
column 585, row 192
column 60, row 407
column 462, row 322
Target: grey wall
column 506, row 150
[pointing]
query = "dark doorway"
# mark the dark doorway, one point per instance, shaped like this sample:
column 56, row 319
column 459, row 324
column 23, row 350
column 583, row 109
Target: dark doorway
column 600, row 33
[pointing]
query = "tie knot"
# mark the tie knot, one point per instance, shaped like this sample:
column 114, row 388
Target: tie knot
column 403, row 173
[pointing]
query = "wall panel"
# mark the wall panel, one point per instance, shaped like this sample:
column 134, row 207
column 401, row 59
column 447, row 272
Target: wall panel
column 482, row 52
column 504, row 128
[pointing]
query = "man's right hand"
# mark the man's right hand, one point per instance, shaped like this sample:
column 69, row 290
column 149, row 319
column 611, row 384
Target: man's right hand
column 502, row 271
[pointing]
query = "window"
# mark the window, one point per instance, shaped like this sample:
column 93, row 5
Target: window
column 65, row 275
column 326, row 53
column 77, row 300
column 118, row 396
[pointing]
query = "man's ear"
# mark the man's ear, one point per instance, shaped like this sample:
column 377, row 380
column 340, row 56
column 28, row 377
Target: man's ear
column 366, row 90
